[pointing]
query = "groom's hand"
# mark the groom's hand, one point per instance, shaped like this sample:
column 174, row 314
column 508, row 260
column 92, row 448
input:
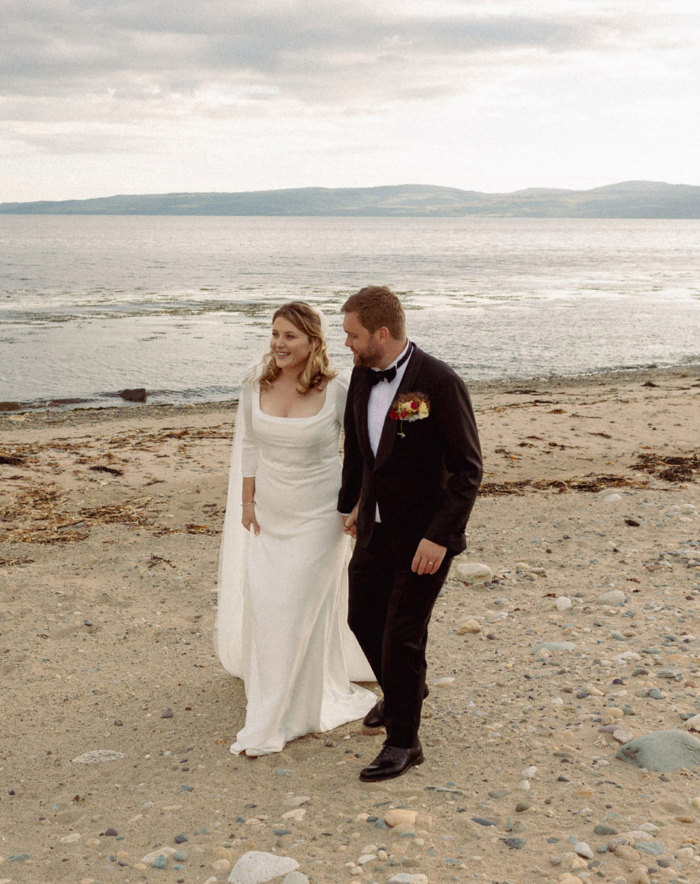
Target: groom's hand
column 350, row 522
column 428, row 557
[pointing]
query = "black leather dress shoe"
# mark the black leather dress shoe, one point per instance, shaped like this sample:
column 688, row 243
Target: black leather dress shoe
column 391, row 762
column 375, row 716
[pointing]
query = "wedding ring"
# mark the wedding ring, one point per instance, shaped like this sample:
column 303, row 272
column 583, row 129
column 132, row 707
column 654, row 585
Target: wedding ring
column 430, row 564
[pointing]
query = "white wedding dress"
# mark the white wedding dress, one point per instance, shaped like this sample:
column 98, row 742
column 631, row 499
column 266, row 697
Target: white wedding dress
column 281, row 623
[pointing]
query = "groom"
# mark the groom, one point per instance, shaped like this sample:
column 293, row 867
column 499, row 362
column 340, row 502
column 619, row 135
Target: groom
column 411, row 472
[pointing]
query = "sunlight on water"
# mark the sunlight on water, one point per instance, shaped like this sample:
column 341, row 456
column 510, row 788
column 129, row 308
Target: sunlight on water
column 90, row 305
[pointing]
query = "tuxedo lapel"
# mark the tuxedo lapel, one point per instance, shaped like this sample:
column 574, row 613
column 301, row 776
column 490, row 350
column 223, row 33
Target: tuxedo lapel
column 390, row 429
column 361, row 404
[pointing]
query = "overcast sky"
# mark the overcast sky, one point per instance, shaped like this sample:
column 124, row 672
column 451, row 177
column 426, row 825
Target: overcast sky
column 99, row 97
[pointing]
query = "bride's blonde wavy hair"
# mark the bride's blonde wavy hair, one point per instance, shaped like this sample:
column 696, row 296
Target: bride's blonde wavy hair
column 318, row 368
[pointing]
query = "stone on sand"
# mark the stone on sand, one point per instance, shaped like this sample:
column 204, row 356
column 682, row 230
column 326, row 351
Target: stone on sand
column 664, row 751
column 256, row 867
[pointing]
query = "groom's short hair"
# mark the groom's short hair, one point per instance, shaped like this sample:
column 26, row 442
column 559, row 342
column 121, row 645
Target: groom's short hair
column 377, row 306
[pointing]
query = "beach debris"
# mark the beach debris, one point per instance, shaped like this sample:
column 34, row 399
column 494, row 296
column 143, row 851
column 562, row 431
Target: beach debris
column 10, row 406
column 111, row 470
column 12, row 460
column 592, row 485
column 136, row 394
column 670, row 468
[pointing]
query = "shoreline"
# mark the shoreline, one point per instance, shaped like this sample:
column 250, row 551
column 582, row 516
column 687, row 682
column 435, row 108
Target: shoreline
column 145, row 409
column 584, row 638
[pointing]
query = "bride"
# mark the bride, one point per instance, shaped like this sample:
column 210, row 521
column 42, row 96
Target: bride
column 281, row 623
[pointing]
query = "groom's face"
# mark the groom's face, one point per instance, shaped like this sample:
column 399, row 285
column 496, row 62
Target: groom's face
column 365, row 345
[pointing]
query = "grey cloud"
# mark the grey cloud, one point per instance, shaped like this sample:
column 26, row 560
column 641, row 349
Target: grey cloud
column 309, row 52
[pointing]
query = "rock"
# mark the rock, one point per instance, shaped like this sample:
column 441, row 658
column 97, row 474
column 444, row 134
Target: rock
column 154, row 854
column 297, row 814
column 624, row 851
column 622, row 736
column 407, row 878
column 638, row 876
column 653, row 848
column 583, row 849
column 256, row 867
column 665, row 751
column 444, row 682
column 295, row 878
column 400, row 816
column 469, row 627
column 160, row 862
column 612, row 498
column 97, row 756
column 514, row 843
column 296, row 801
column 474, row 572
column 181, row 838
column 71, row 839
column 693, row 724
column 562, row 603
column 613, row 597
column 135, row 394
column 553, row 646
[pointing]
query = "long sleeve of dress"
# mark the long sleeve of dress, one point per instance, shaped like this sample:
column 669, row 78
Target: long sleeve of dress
column 249, row 444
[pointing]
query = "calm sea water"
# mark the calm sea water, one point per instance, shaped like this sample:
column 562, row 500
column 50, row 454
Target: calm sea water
column 90, row 305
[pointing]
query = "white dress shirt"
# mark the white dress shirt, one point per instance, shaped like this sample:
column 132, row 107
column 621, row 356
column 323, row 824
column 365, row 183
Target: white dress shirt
column 380, row 398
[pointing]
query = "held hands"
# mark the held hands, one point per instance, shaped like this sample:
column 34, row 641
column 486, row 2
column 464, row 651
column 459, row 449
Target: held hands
column 350, row 521
column 248, row 518
column 428, row 557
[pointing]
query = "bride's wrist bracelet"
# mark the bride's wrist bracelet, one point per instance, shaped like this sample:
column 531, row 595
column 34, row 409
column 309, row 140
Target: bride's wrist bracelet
column 249, row 503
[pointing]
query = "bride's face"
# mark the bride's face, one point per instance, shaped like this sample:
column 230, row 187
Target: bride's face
column 290, row 346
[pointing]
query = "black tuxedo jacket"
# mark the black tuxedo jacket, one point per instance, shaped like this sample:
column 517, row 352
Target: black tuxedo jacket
column 426, row 481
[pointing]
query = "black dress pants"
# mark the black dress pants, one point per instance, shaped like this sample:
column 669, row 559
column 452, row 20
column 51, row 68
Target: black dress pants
column 389, row 611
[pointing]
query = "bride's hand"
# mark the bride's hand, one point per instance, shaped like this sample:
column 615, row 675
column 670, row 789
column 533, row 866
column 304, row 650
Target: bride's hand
column 249, row 519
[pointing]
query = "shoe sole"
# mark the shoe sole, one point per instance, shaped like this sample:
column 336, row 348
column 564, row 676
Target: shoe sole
column 419, row 760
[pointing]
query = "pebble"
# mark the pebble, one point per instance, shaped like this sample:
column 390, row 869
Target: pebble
column 297, row 814
column 624, row 851
column 583, row 849
column 444, row 682
column 474, row 572
column 638, row 876
column 654, row 848
column 406, row 878
column 399, row 816
column 614, row 597
column 256, row 867
column 469, row 627
column 98, row 756
column 154, row 854
column 553, row 646
column 296, row 801
column 693, row 724
column 295, row 877
column 562, row 603
column 71, row 839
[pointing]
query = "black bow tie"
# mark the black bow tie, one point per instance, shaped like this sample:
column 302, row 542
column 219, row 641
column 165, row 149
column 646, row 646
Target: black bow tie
column 389, row 374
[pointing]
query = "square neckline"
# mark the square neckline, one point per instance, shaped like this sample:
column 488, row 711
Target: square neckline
column 307, row 417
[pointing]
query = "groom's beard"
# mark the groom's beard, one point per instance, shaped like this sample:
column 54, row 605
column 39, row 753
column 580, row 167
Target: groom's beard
column 369, row 359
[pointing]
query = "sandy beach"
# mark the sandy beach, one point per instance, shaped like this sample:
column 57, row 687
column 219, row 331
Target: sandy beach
column 583, row 639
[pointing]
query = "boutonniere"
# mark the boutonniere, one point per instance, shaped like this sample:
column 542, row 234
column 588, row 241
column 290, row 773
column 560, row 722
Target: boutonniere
column 409, row 407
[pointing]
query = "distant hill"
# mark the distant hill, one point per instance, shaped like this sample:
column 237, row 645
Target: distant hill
column 630, row 199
